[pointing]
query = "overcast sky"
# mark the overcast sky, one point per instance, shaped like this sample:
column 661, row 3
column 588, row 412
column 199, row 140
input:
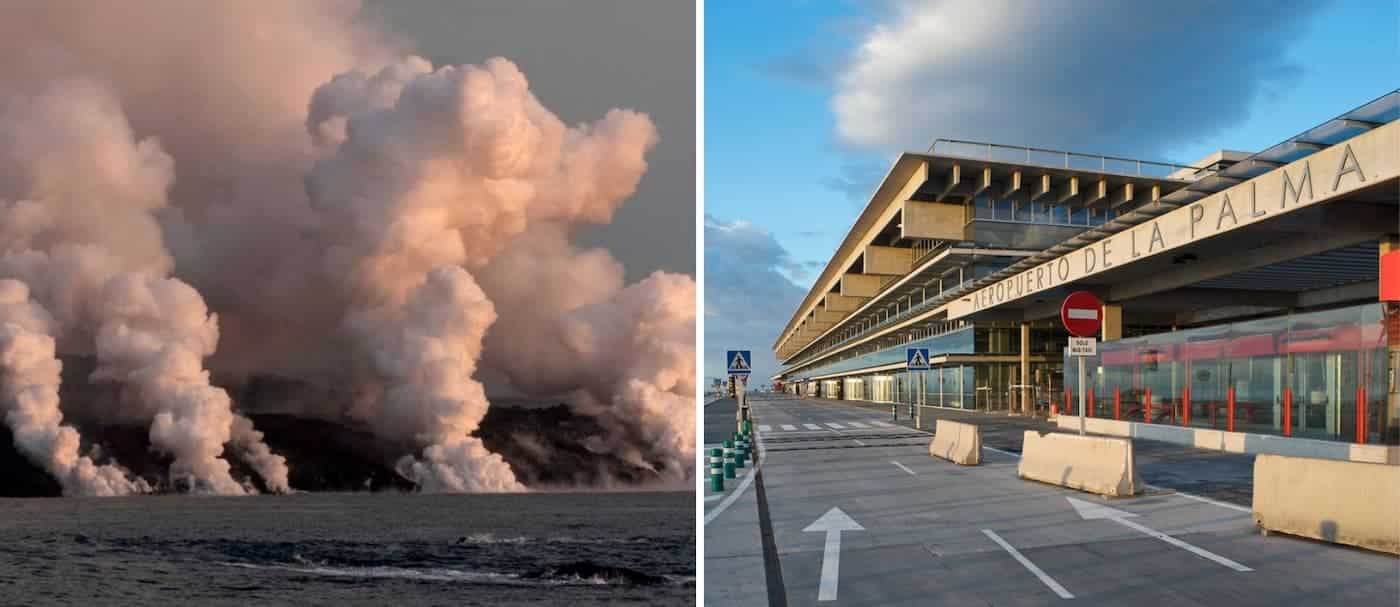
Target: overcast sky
column 582, row 59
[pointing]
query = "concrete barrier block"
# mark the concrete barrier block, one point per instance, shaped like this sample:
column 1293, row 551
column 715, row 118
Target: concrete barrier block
column 1342, row 502
column 1097, row 464
column 957, row 442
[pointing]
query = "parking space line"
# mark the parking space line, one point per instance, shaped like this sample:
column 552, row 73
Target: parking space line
column 1025, row 562
column 1201, row 552
column 904, row 468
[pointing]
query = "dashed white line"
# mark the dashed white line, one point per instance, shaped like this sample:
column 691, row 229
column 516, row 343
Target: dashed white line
column 856, row 425
column 762, row 428
column 904, row 468
column 835, row 426
column 1025, row 562
column 789, row 427
column 811, row 426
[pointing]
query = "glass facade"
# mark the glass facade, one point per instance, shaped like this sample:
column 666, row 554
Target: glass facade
column 1321, row 375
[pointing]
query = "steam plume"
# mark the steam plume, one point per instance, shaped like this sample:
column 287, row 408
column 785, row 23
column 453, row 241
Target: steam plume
column 335, row 200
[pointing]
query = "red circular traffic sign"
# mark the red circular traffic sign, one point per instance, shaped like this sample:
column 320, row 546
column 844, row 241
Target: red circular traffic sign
column 1082, row 314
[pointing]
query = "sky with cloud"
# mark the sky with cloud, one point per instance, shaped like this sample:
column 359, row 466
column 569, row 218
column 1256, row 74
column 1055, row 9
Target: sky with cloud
column 808, row 103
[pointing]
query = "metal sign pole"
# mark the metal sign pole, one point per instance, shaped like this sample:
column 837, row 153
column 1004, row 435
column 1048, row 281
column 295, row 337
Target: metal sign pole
column 1081, row 395
column 923, row 387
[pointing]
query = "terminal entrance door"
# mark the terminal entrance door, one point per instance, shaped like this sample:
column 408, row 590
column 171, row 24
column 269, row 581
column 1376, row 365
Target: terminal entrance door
column 882, row 389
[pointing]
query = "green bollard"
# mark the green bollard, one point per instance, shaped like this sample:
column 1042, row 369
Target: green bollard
column 716, row 470
column 748, row 427
column 728, row 469
column 894, row 412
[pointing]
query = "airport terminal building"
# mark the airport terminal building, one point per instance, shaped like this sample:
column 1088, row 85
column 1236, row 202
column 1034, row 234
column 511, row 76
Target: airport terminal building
column 1248, row 292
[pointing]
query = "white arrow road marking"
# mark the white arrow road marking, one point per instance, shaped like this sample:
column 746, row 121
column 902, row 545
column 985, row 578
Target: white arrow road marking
column 789, row 427
column 762, row 428
column 1090, row 511
column 811, row 426
column 1025, row 562
column 833, row 523
column 901, row 467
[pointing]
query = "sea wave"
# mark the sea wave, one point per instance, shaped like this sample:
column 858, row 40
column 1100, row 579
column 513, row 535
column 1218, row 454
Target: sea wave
column 583, row 573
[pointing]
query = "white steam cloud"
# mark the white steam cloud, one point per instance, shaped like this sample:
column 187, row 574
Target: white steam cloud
column 336, row 212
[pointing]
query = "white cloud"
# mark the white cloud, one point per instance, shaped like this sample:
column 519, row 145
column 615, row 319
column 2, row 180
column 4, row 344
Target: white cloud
column 1129, row 78
column 748, row 295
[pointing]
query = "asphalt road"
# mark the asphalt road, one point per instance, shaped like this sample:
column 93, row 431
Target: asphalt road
column 934, row 533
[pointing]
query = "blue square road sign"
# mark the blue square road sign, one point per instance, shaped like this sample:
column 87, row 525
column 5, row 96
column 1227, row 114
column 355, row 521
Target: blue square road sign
column 738, row 362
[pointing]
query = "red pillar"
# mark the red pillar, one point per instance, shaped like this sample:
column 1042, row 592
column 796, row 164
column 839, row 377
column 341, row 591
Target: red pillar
column 1230, row 409
column 1147, row 405
column 1186, row 406
column 1089, row 406
column 1361, row 415
column 1288, row 411
column 1117, row 405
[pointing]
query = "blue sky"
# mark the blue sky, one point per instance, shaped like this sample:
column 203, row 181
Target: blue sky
column 807, row 103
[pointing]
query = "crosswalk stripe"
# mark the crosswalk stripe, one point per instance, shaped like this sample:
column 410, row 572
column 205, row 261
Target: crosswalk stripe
column 857, row 425
column 812, row 426
column 835, row 426
column 882, row 424
column 765, row 428
column 789, row 427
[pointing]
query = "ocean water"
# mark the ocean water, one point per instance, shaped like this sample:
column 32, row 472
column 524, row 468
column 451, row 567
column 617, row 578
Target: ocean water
column 575, row 549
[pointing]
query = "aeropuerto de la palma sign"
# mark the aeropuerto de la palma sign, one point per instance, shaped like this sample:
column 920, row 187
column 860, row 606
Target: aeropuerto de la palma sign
column 1363, row 160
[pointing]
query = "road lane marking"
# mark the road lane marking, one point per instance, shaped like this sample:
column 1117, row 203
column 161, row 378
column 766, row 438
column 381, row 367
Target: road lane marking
column 711, row 498
column 1190, row 496
column 857, row 425
column 812, row 427
column 882, row 424
column 833, row 523
column 734, row 495
column 857, row 441
column 1202, row 499
column 902, row 467
column 835, row 426
column 1092, row 511
column 1202, row 552
column 762, row 428
column 1025, row 562
column 789, row 427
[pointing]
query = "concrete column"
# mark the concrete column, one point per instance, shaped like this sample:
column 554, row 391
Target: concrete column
column 1025, row 367
column 1112, row 322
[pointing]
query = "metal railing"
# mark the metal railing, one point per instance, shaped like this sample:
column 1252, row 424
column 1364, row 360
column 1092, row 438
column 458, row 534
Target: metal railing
column 1056, row 158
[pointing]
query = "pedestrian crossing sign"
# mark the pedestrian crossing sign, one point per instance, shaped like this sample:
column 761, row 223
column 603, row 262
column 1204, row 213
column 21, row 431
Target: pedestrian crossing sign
column 738, row 361
column 916, row 359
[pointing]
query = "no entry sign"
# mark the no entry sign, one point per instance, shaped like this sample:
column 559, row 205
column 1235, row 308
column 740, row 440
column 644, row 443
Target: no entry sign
column 1082, row 314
